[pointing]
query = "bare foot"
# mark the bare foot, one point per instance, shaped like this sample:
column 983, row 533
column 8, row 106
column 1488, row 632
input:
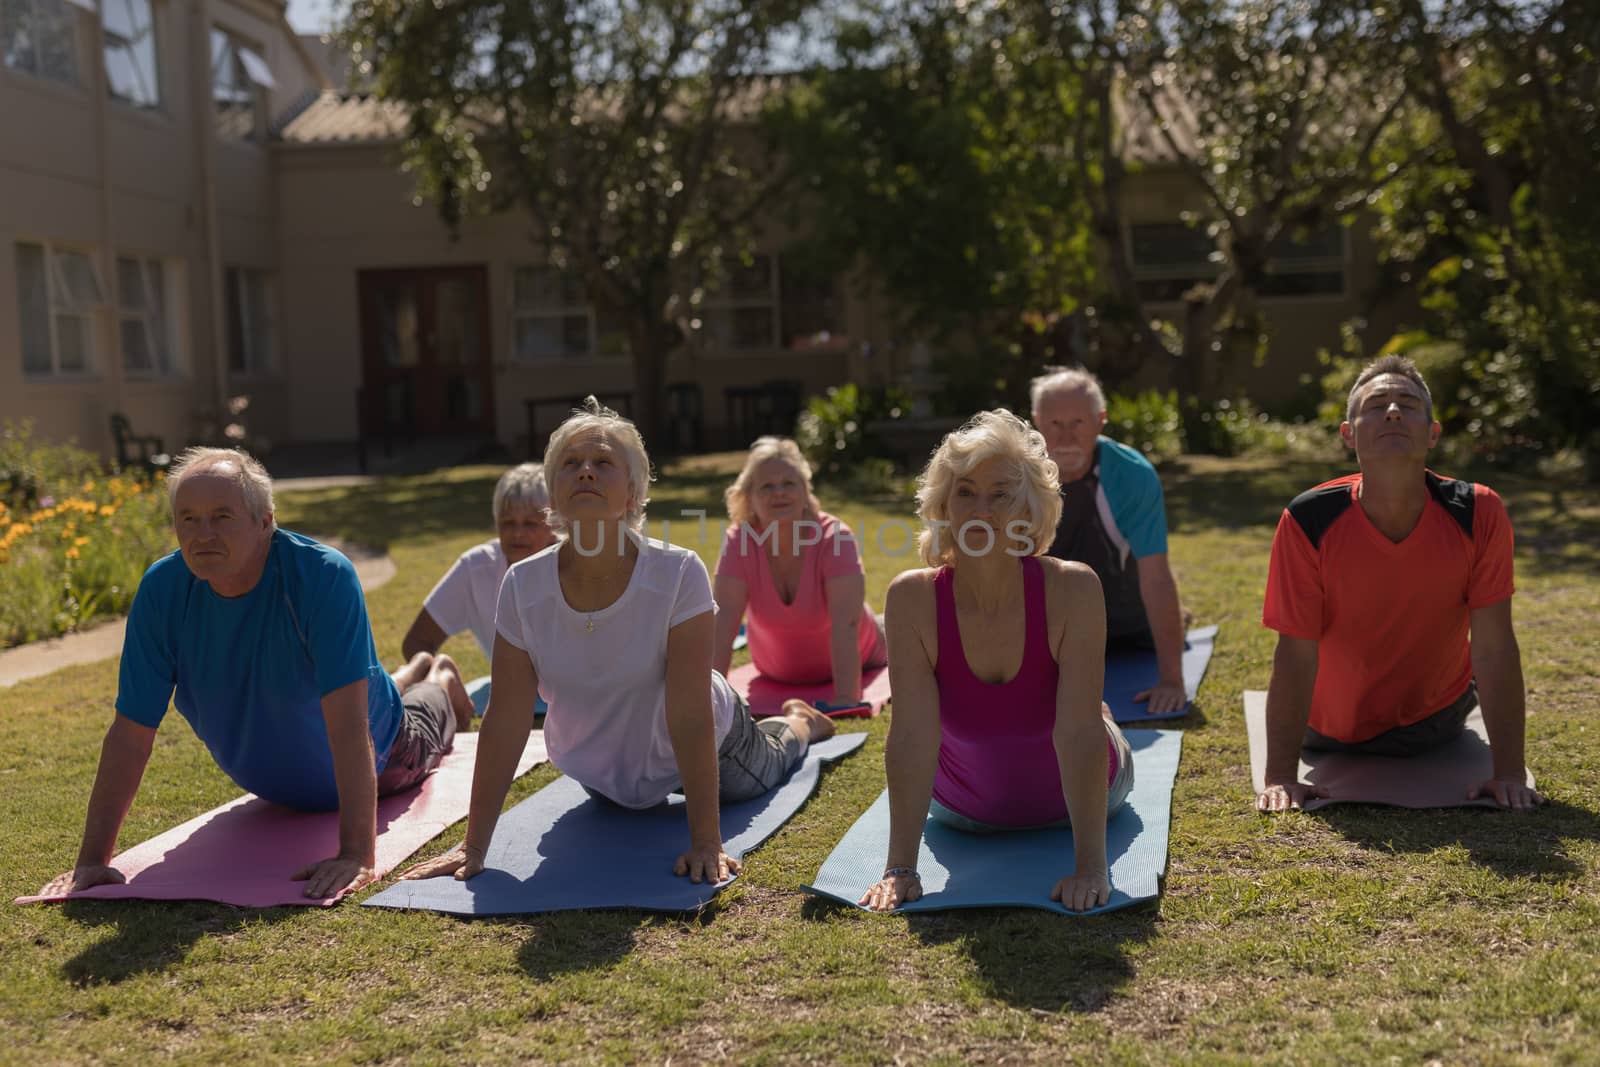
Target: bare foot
column 807, row 721
column 447, row 676
column 413, row 672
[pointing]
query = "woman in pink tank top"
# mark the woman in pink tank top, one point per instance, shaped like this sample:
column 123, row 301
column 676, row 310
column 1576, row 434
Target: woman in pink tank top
column 998, row 667
column 795, row 572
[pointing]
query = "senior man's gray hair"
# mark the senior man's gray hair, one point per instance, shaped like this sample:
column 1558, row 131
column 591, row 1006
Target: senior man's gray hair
column 1064, row 379
column 254, row 481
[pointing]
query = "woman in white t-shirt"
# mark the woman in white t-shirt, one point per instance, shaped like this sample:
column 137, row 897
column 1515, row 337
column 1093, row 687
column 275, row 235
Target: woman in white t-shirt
column 614, row 631
column 466, row 597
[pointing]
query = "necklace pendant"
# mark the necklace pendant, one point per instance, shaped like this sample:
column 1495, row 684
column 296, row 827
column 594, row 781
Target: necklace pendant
column 590, row 627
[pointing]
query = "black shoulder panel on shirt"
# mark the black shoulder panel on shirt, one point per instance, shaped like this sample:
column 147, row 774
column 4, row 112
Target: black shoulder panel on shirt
column 1455, row 496
column 1316, row 509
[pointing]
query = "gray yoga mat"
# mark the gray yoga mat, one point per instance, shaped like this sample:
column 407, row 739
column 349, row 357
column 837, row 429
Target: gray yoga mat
column 561, row 850
column 1019, row 868
column 479, row 688
column 1436, row 779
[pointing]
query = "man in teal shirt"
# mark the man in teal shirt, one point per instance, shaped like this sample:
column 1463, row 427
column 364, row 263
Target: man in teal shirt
column 1114, row 519
column 260, row 637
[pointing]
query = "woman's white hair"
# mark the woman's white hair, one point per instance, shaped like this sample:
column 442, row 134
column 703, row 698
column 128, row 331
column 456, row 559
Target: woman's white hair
column 624, row 435
column 254, row 481
column 741, row 510
column 1031, row 475
column 521, row 486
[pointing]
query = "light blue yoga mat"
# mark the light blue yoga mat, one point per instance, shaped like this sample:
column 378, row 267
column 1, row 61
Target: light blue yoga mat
column 1129, row 673
column 1018, row 869
column 478, row 690
column 561, row 850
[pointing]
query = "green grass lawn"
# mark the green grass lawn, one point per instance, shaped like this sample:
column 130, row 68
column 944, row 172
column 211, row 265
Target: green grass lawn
column 1351, row 936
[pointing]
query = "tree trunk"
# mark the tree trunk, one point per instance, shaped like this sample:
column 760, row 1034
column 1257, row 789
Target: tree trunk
column 648, row 341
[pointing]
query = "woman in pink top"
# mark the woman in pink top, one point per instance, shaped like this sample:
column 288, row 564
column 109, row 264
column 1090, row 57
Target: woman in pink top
column 998, row 666
column 795, row 573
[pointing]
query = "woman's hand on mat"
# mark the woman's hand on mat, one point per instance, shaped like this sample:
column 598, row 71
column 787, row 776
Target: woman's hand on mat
column 85, row 876
column 1508, row 793
column 707, row 863
column 1282, row 796
column 460, row 861
column 1080, row 892
column 327, row 877
column 1163, row 698
column 892, row 891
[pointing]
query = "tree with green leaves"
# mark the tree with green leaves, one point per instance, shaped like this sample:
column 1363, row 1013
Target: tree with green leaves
column 622, row 129
column 931, row 146
column 1274, row 111
column 1501, row 236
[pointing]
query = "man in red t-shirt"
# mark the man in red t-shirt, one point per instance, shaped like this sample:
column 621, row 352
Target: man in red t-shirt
column 1391, row 594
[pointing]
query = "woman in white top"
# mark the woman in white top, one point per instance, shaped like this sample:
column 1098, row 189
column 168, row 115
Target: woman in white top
column 614, row 631
column 466, row 597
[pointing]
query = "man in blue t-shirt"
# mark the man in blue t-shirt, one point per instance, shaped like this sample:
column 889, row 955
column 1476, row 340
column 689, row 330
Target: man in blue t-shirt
column 1114, row 518
column 260, row 638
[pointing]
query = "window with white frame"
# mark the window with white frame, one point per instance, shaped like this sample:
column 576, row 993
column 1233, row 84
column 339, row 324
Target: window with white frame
column 1170, row 258
column 252, row 322
column 551, row 319
column 58, row 293
column 133, row 69
column 41, row 37
column 1309, row 264
column 240, row 80
column 149, row 315
column 742, row 313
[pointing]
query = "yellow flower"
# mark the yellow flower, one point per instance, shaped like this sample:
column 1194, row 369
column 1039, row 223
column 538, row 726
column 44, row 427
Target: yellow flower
column 80, row 542
column 88, row 487
column 72, row 553
column 107, row 511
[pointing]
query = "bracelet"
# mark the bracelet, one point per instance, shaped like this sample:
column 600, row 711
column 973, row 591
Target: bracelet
column 896, row 872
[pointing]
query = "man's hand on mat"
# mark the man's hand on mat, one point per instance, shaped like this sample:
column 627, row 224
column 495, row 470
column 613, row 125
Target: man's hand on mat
column 707, row 863
column 327, row 877
column 460, row 861
column 86, row 876
column 1163, row 697
column 890, row 892
column 1080, row 892
column 1508, row 793
column 1283, row 796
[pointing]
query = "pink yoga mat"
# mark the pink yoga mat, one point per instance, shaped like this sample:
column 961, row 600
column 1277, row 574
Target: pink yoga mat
column 244, row 852
column 766, row 697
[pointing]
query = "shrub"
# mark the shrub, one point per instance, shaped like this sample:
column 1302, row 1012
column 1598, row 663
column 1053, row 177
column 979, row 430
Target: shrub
column 1149, row 422
column 74, row 541
column 834, row 433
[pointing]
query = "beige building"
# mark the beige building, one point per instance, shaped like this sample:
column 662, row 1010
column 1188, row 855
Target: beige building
column 188, row 213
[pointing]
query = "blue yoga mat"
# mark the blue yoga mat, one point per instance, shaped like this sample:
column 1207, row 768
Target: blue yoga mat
column 561, row 850
column 478, row 690
column 1018, row 869
column 1128, row 673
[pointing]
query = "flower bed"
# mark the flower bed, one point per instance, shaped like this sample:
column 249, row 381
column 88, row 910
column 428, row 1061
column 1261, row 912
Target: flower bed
column 74, row 542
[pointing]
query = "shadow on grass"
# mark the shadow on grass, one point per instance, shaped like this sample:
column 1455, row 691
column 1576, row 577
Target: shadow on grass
column 1511, row 844
column 1030, row 958
column 1045, row 961
column 411, row 508
column 571, row 942
column 151, row 938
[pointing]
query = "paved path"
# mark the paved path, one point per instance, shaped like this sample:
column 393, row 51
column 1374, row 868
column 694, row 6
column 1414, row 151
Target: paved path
column 104, row 640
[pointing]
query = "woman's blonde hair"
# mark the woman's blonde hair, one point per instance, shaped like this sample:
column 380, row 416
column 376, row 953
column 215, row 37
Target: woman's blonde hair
column 522, row 486
column 737, row 496
column 1032, row 475
column 624, row 435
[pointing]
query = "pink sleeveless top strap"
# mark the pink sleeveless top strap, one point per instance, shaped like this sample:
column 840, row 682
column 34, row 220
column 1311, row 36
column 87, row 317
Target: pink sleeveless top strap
column 997, row 760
